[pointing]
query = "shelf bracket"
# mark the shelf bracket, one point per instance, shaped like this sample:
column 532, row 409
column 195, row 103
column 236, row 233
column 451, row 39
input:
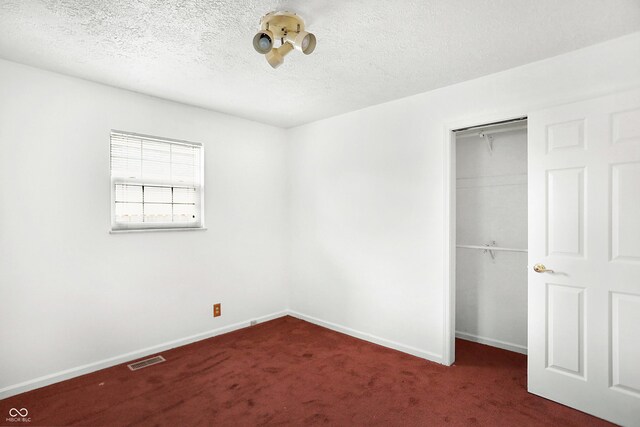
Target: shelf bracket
column 489, row 140
column 488, row 245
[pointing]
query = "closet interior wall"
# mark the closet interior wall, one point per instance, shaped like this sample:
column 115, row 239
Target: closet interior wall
column 491, row 210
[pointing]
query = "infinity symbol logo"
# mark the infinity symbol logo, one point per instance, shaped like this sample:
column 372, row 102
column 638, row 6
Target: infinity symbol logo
column 13, row 412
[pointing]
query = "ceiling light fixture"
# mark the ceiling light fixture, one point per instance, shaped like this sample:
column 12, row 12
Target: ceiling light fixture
column 289, row 29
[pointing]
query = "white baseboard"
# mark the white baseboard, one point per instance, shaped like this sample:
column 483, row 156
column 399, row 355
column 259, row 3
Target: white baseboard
column 45, row 380
column 368, row 337
column 492, row 342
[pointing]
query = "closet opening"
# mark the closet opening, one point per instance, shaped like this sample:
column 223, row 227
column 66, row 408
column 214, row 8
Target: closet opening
column 489, row 191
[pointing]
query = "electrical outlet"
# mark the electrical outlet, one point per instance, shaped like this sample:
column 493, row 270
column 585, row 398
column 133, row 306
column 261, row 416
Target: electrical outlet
column 217, row 310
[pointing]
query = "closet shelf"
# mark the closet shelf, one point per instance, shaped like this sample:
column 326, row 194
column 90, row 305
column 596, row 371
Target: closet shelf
column 491, row 248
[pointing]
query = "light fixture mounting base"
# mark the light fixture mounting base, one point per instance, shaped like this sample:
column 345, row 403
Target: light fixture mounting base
column 281, row 23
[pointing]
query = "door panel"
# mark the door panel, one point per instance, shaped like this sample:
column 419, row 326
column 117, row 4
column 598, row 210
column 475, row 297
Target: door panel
column 625, row 211
column 584, row 226
column 565, row 201
column 565, row 320
column 565, row 135
column 626, row 126
column 625, row 350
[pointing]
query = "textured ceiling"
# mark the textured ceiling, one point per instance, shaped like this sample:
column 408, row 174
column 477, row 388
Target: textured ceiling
column 369, row 51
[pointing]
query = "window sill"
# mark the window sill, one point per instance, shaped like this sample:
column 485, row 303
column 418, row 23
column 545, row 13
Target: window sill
column 149, row 230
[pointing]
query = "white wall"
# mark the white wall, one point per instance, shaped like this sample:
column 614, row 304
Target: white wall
column 491, row 206
column 367, row 193
column 72, row 294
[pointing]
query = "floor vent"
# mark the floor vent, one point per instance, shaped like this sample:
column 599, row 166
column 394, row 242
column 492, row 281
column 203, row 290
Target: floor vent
column 147, row 362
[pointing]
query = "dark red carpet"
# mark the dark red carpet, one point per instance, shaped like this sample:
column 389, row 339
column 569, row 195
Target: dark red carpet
column 290, row 372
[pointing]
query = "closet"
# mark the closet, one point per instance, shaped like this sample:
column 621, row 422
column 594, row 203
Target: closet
column 491, row 235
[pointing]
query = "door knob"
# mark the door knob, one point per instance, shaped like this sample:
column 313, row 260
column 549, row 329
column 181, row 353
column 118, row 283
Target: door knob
column 540, row 268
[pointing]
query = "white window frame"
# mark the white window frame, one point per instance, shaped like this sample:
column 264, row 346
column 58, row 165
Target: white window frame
column 117, row 227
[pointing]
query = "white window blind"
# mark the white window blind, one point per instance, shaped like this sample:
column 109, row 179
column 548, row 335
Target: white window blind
column 155, row 182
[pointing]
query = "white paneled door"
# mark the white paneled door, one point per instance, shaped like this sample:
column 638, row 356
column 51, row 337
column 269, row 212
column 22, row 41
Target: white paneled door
column 584, row 229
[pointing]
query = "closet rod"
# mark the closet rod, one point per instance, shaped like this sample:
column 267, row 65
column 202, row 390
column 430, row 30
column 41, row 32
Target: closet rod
column 491, row 248
column 481, row 133
column 486, row 125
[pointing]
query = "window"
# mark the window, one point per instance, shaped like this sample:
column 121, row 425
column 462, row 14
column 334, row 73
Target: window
column 156, row 183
